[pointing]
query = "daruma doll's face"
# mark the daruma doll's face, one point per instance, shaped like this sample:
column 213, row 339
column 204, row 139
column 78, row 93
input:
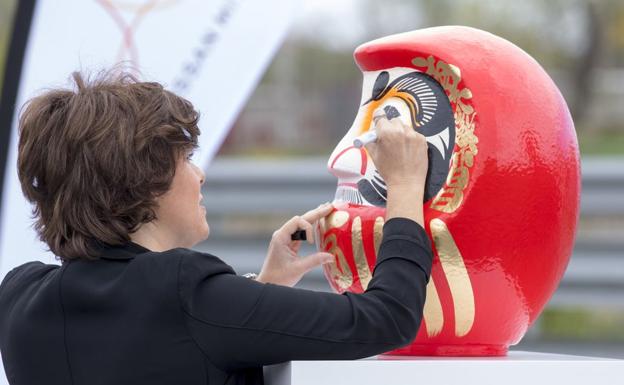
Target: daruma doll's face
column 502, row 191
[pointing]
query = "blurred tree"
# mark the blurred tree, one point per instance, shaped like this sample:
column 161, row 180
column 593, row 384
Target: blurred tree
column 583, row 75
column 615, row 34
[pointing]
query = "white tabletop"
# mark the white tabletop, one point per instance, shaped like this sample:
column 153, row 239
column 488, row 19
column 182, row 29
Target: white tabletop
column 521, row 368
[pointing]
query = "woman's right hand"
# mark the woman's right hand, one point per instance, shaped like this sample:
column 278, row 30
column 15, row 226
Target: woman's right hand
column 400, row 156
column 400, row 153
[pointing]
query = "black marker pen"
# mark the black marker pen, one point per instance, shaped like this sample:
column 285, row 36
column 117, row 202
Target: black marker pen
column 299, row 235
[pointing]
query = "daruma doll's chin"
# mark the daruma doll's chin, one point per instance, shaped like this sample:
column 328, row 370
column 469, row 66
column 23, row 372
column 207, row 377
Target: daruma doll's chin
column 351, row 233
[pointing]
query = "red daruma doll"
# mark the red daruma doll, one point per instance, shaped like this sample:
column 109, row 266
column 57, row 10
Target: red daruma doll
column 502, row 190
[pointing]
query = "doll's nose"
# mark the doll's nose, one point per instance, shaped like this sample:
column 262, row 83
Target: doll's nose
column 349, row 162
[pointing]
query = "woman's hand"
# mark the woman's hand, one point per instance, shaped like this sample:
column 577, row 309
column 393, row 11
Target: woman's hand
column 400, row 156
column 282, row 265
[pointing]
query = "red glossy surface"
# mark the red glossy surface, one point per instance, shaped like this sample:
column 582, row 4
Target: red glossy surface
column 516, row 224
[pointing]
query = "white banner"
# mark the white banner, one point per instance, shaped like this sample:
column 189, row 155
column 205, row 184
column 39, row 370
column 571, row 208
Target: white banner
column 211, row 52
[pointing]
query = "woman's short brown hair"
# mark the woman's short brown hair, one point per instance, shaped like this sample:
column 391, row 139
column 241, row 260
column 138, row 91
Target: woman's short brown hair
column 92, row 160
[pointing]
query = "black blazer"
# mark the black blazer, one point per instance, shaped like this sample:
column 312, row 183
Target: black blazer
column 184, row 317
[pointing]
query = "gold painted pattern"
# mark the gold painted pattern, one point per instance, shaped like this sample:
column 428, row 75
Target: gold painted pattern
column 449, row 198
column 357, row 243
column 337, row 219
column 378, row 233
column 457, row 276
column 341, row 275
column 339, row 269
column 432, row 312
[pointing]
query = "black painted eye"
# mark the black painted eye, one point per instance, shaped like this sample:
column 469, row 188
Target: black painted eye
column 391, row 112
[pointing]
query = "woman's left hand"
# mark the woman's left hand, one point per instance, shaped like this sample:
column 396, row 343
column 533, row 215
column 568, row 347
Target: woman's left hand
column 282, row 265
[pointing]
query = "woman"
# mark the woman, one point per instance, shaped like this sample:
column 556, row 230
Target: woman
column 116, row 198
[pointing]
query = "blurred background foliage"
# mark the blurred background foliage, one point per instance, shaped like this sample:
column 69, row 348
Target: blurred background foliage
column 310, row 93
column 580, row 43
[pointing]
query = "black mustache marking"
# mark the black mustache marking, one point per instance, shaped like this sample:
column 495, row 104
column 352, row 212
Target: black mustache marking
column 374, row 193
column 377, row 178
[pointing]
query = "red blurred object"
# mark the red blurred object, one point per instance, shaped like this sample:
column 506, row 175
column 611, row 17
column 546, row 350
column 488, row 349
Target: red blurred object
column 503, row 225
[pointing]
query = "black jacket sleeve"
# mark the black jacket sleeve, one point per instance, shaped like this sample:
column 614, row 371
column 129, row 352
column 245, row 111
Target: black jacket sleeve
column 240, row 323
